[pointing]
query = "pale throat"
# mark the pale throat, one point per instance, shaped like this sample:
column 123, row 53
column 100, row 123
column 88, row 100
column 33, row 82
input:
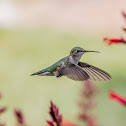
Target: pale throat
column 75, row 58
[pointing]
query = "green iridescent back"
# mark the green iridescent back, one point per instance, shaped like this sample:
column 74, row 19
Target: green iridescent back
column 53, row 67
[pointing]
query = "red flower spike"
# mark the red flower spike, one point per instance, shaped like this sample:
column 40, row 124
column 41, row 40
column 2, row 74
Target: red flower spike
column 114, row 40
column 56, row 118
column 124, row 14
column 83, row 116
column 19, row 116
column 2, row 110
column 90, row 89
column 114, row 95
column 0, row 95
column 68, row 123
column 92, row 121
column 2, row 125
column 50, row 123
column 87, row 104
column 124, row 29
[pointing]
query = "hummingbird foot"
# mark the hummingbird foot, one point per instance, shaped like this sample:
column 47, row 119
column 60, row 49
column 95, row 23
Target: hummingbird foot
column 60, row 75
column 57, row 74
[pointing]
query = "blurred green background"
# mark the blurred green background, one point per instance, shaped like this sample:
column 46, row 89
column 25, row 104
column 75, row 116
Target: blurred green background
column 26, row 48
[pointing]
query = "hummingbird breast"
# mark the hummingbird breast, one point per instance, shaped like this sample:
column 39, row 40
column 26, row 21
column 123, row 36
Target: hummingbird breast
column 75, row 58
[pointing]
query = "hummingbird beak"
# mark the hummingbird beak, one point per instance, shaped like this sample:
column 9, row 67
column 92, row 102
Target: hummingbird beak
column 92, row 51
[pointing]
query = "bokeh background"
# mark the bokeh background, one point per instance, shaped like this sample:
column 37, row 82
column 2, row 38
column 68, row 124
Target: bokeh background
column 34, row 34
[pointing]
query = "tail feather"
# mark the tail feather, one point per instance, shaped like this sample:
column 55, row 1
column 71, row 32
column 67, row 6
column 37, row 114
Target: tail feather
column 41, row 73
column 37, row 73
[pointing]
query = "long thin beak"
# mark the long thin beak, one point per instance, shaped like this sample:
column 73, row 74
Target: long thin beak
column 92, row 51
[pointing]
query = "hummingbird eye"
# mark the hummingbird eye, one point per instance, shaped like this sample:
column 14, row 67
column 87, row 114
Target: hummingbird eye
column 78, row 51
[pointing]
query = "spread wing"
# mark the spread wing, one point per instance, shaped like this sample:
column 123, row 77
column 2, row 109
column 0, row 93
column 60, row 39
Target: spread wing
column 74, row 72
column 95, row 73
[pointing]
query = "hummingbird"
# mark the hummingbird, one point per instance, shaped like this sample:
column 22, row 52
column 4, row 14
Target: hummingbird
column 71, row 67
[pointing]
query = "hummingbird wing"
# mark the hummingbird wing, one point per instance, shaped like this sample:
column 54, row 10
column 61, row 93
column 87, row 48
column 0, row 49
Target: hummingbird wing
column 74, row 72
column 95, row 73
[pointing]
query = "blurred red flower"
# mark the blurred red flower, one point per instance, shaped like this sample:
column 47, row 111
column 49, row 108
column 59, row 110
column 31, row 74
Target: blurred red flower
column 0, row 95
column 68, row 123
column 56, row 117
column 88, row 103
column 114, row 95
column 19, row 116
column 124, row 14
column 115, row 40
column 3, row 109
column 64, row 123
column 124, row 29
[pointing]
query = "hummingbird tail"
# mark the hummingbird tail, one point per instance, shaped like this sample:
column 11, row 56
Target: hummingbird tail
column 40, row 73
column 37, row 73
column 33, row 74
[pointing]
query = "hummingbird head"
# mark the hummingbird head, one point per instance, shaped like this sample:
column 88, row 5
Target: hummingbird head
column 77, row 51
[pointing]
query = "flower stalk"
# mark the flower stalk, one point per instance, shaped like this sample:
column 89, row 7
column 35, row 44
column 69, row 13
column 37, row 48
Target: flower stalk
column 88, row 103
column 56, row 117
